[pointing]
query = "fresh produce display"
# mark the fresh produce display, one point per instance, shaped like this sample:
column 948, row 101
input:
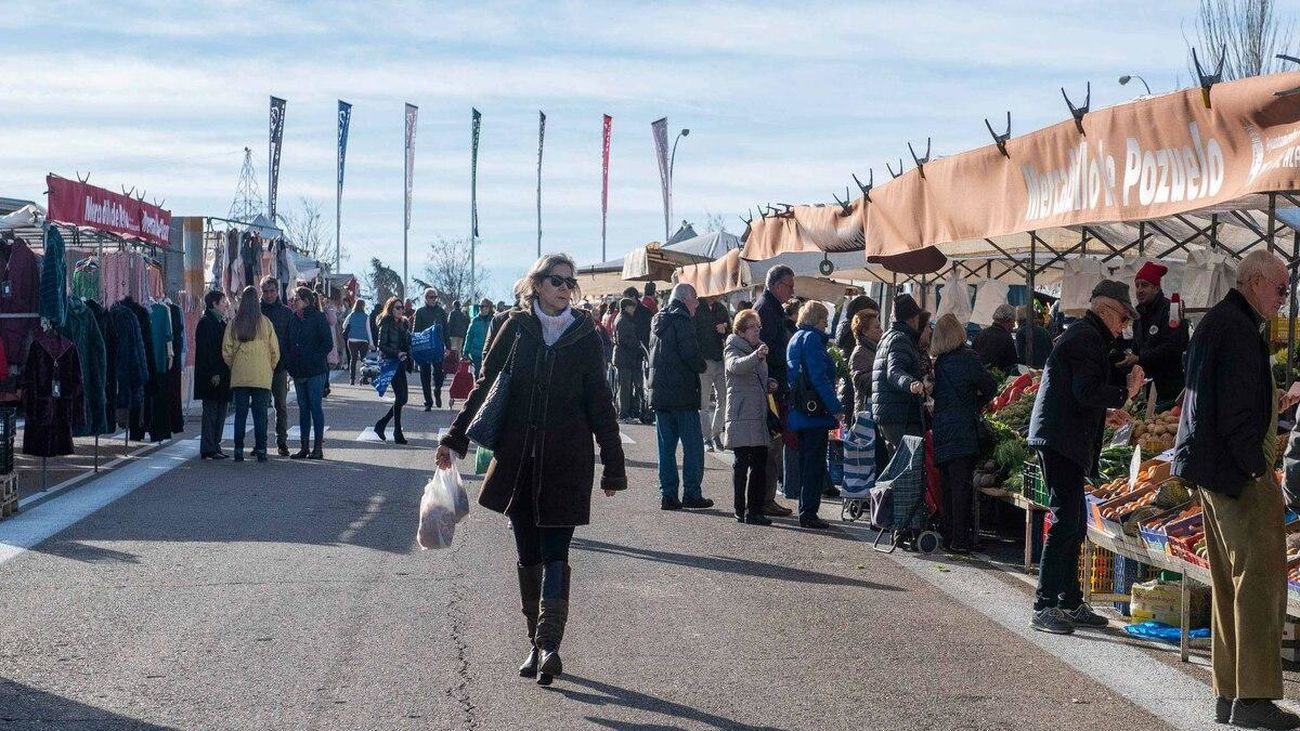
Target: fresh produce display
column 1114, row 462
column 1012, row 392
column 1158, row 434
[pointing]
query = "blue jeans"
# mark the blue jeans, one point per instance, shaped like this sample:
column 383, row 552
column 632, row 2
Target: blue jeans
column 812, row 470
column 311, row 395
column 790, row 473
column 261, row 400
column 684, row 426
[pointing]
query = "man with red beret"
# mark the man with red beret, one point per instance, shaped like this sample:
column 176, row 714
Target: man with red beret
column 1157, row 345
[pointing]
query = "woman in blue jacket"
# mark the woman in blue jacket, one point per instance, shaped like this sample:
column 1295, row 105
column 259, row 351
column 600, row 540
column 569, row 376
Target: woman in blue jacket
column 961, row 388
column 806, row 356
column 476, row 338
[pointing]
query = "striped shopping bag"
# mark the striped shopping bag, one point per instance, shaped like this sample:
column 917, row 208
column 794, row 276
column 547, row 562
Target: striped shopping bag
column 860, row 456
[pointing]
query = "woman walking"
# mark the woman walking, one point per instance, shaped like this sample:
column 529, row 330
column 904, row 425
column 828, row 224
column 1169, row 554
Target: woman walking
column 961, row 388
column 211, row 375
column 476, row 338
column 308, row 346
column 807, row 360
column 252, row 350
column 395, row 344
column 356, row 329
column 745, row 364
column 544, row 463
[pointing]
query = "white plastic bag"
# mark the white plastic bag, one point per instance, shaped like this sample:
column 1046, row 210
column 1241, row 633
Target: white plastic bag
column 443, row 506
column 954, row 299
column 989, row 293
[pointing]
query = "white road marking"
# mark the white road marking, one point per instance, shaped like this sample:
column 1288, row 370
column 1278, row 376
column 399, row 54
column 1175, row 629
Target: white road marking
column 368, row 435
column 625, row 438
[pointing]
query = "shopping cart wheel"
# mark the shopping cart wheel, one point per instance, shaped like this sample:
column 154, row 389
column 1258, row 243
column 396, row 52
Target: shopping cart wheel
column 855, row 508
column 928, row 542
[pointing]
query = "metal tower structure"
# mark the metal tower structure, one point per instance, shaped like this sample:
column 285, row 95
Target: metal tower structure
column 248, row 202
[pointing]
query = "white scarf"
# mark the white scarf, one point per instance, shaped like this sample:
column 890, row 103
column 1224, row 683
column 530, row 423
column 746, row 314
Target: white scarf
column 553, row 326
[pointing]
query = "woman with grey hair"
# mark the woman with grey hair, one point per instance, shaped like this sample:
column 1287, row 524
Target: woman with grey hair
column 544, row 462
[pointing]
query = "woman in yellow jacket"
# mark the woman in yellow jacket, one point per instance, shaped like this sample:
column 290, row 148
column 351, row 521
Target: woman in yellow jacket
column 251, row 349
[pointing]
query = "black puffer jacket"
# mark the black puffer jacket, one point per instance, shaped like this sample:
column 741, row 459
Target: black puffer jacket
column 306, row 348
column 1079, row 384
column 898, row 365
column 558, row 400
column 394, row 339
column 961, row 388
column 1228, row 402
column 279, row 314
column 675, row 361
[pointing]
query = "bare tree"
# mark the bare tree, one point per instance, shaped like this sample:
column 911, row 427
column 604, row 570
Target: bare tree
column 447, row 270
column 715, row 222
column 384, row 282
column 1251, row 31
column 307, row 230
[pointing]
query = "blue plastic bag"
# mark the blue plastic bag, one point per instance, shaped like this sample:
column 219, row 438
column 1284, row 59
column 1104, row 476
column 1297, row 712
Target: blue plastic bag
column 387, row 369
column 1164, row 632
column 427, row 346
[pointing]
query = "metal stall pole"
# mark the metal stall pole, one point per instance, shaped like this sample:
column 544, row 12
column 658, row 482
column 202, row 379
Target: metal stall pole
column 1029, row 356
column 1292, row 306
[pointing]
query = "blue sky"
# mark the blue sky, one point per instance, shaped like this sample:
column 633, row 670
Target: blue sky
column 784, row 101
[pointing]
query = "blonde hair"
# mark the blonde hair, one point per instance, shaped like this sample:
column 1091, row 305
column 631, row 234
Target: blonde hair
column 948, row 335
column 526, row 287
column 813, row 313
column 862, row 321
column 743, row 319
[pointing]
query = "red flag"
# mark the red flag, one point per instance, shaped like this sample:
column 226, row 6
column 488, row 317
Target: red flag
column 604, row 187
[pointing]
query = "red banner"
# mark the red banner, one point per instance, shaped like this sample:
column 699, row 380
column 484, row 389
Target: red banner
column 604, row 186
column 85, row 206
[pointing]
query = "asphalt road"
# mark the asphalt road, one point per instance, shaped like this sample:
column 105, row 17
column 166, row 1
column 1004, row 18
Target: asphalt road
column 291, row 595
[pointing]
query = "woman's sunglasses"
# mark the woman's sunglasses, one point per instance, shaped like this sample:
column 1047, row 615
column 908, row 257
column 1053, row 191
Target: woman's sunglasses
column 558, row 281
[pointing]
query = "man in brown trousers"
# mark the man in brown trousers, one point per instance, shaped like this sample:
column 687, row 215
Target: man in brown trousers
column 1227, row 447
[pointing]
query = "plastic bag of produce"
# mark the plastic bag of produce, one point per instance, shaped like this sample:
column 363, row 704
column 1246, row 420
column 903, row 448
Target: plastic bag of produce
column 443, row 506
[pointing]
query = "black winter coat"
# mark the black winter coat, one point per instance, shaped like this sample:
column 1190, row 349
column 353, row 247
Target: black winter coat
column 1160, row 348
column 706, row 319
column 428, row 316
column 307, row 344
column 996, row 348
column 1079, row 385
column 208, row 362
column 899, row 364
column 1229, row 400
column 675, row 361
column 279, row 314
column 558, row 400
column 457, row 323
column 1042, row 345
column 627, row 344
column 776, row 336
column 961, row 388
column 394, row 339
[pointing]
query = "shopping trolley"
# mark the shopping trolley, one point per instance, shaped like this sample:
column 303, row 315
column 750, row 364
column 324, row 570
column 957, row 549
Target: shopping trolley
column 859, row 467
column 904, row 485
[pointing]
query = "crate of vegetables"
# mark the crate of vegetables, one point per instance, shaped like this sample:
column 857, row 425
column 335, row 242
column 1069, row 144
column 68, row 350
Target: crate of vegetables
column 1155, row 531
column 1035, row 487
column 1191, row 549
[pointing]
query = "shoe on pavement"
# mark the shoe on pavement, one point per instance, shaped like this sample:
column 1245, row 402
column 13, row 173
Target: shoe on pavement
column 777, row 510
column 813, row 522
column 1262, row 713
column 1052, row 620
column 428, row 407
column 740, row 517
column 757, row 519
column 218, row 455
column 1083, row 616
column 669, row 503
column 831, row 491
column 284, row 450
column 1222, row 710
column 239, row 456
column 261, row 457
column 697, row 503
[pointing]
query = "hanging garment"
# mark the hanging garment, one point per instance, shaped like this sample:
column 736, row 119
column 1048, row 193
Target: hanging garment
column 85, row 279
column 128, row 359
column 20, row 286
column 248, row 258
column 81, row 328
column 218, row 259
column 141, row 419
column 52, row 397
column 103, row 320
column 158, row 414
column 177, row 366
column 160, row 324
column 54, row 275
column 156, row 289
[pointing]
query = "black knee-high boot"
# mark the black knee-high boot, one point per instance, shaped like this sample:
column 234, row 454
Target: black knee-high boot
column 553, row 615
column 530, row 593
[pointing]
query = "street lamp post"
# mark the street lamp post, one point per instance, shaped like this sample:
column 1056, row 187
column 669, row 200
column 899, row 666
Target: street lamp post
column 672, row 161
column 1123, row 81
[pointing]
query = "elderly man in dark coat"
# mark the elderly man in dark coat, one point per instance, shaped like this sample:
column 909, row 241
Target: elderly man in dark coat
column 1070, row 411
column 675, row 368
column 1227, row 447
column 776, row 336
column 211, row 375
column 994, row 344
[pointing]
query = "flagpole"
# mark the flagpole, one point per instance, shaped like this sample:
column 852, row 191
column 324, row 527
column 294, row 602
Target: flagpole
column 541, row 136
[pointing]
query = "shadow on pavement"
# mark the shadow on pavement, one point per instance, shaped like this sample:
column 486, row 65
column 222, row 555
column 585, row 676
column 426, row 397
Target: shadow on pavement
column 606, row 694
column 740, row 566
column 25, row 707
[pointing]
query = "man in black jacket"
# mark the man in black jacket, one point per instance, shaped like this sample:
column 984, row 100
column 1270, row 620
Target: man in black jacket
column 1227, row 447
column 629, row 359
column 457, row 326
column 711, row 329
column 279, row 314
column 642, row 318
column 675, row 368
column 774, row 334
column 1157, row 346
column 1079, row 386
column 995, row 345
column 431, row 375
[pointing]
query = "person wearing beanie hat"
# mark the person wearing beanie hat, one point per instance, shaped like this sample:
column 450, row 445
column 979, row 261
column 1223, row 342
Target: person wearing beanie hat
column 1079, row 393
column 1157, row 345
column 898, row 386
column 629, row 359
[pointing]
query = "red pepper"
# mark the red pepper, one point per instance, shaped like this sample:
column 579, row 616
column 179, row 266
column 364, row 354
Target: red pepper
column 1023, row 380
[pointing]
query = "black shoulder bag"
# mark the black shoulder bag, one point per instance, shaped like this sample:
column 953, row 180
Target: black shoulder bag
column 805, row 397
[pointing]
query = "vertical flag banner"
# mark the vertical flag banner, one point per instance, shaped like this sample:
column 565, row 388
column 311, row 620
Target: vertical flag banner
column 411, row 112
column 659, row 128
column 345, row 116
column 475, row 119
column 277, row 139
column 541, row 137
column 604, row 186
